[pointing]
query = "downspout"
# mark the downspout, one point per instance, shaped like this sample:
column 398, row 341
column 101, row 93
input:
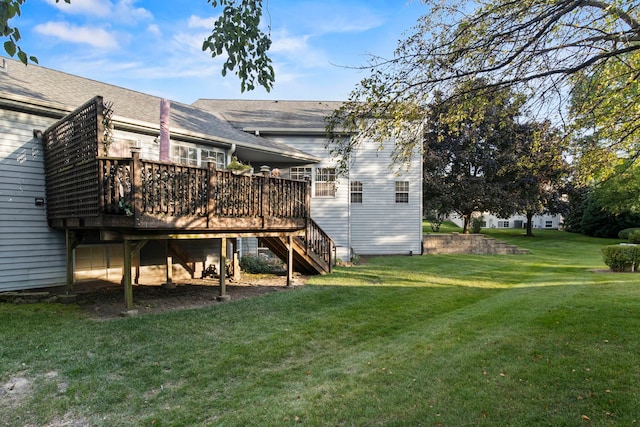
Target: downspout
column 232, row 150
column 349, row 211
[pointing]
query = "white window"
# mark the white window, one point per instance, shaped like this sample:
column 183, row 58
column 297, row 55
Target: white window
column 503, row 224
column 325, row 182
column 193, row 156
column 300, row 173
column 402, row 191
column 184, row 155
column 217, row 157
column 356, row 191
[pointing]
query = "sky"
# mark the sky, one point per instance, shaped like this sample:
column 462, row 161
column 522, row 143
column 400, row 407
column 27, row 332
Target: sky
column 155, row 46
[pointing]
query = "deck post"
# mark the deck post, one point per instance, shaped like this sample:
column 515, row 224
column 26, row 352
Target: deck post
column 223, row 270
column 290, row 260
column 211, row 198
column 136, row 184
column 307, row 204
column 169, row 282
column 136, row 264
column 126, row 276
column 71, row 244
column 131, row 250
column 236, row 258
column 266, row 190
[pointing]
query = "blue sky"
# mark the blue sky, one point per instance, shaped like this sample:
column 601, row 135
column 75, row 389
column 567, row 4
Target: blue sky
column 154, row 46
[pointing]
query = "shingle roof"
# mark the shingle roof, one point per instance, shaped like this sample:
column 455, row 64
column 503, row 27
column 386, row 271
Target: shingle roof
column 69, row 92
column 270, row 115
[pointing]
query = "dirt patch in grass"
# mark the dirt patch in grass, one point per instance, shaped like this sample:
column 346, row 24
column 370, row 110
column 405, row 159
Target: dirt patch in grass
column 15, row 390
column 106, row 300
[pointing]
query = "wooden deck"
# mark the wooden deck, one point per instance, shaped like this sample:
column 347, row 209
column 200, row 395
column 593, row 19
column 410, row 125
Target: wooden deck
column 86, row 188
column 137, row 194
column 135, row 200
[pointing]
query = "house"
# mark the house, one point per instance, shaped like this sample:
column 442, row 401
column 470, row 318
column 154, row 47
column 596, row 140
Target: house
column 39, row 244
column 374, row 210
column 546, row 221
column 111, row 206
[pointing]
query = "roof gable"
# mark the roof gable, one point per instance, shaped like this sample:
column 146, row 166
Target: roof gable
column 67, row 92
column 292, row 116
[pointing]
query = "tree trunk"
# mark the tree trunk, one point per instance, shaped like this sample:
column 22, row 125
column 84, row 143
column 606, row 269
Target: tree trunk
column 467, row 223
column 529, row 225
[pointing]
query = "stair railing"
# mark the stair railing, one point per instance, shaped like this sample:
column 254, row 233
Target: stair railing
column 318, row 242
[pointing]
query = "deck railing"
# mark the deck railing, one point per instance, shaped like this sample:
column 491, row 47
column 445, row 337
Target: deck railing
column 318, row 242
column 132, row 186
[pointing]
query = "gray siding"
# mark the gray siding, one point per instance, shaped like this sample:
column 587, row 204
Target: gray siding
column 31, row 254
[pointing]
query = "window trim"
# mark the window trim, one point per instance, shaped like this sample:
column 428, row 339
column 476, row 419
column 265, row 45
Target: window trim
column 307, row 173
column 402, row 192
column 328, row 181
column 200, row 160
column 357, row 191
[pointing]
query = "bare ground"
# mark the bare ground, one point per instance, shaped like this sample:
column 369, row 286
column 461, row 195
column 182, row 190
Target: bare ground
column 104, row 300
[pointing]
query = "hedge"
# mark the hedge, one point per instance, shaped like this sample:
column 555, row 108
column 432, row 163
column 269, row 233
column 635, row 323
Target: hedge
column 621, row 257
column 624, row 234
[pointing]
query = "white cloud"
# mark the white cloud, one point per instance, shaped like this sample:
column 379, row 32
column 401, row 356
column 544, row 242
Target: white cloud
column 339, row 23
column 154, row 29
column 97, row 37
column 200, row 22
column 297, row 50
column 285, row 43
column 123, row 11
column 84, row 7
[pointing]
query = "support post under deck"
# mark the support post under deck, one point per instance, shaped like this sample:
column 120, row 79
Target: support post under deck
column 71, row 244
column 223, row 270
column 131, row 249
column 289, row 260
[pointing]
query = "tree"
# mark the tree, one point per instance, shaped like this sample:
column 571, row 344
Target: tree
column 538, row 175
column 468, row 148
column 236, row 34
column 531, row 46
column 605, row 117
column 592, row 214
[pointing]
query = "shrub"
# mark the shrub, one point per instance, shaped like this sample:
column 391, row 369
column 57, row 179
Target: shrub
column 476, row 224
column 621, row 257
column 261, row 265
column 634, row 236
column 624, row 234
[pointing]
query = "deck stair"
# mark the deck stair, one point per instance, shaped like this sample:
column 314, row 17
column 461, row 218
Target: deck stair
column 312, row 253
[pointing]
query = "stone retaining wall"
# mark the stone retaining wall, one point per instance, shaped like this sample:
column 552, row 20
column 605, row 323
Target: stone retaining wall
column 457, row 243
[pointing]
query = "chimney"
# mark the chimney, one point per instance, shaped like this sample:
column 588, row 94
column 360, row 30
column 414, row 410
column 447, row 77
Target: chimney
column 165, row 135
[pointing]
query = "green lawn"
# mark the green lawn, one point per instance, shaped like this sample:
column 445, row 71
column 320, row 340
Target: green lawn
column 445, row 340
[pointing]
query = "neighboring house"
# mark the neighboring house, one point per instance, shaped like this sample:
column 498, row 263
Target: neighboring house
column 549, row 222
column 374, row 210
column 32, row 99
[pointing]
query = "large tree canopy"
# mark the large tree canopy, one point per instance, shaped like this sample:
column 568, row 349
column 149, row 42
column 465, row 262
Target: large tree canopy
column 236, row 34
column 532, row 46
column 539, row 174
column 470, row 150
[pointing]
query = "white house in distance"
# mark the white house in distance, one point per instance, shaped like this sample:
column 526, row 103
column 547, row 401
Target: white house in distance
column 548, row 222
column 373, row 210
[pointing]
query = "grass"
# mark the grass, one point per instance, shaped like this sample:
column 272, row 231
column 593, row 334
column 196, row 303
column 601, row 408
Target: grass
column 445, row 340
